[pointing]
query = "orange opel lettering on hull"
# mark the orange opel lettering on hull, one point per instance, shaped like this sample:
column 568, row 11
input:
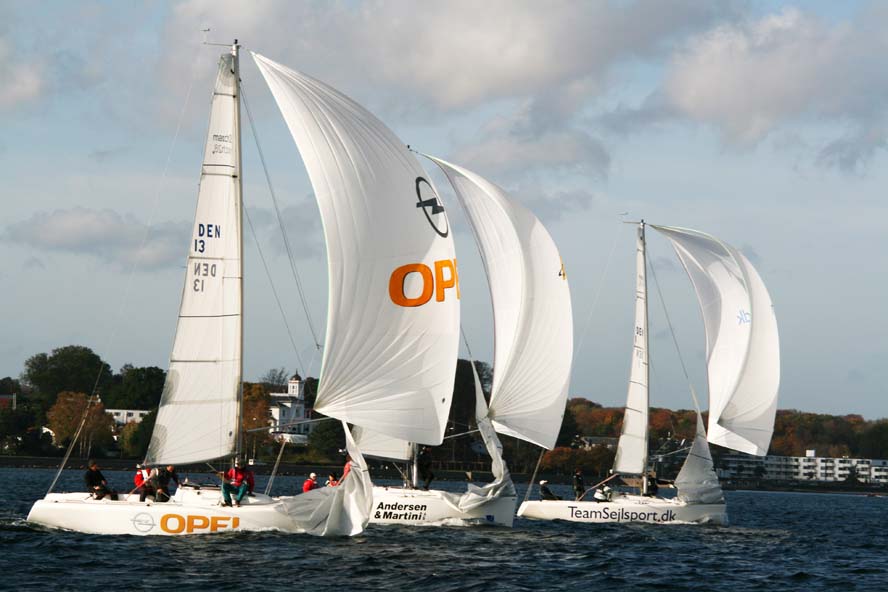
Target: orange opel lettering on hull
column 177, row 524
column 436, row 283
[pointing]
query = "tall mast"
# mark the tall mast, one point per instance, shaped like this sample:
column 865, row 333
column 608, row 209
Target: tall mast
column 240, row 232
column 643, row 271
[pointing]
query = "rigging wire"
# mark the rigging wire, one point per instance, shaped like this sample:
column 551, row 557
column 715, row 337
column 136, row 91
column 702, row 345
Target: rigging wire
column 674, row 338
column 94, row 398
column 597, row 293
column 280, row 218
column 274, row 290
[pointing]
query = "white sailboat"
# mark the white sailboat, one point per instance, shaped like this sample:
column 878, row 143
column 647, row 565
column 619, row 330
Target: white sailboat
column 533, row 331
column 744, row 374
column 390, row 353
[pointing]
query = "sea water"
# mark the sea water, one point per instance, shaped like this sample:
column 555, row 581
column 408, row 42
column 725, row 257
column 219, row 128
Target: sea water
column 776, row 541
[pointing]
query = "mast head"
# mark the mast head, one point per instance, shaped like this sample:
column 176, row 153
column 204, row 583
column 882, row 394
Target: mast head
column 234, row 48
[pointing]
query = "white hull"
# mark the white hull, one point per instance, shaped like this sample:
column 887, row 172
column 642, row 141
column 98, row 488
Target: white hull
column 395, row 505
column 190, row 511
column 626, row 508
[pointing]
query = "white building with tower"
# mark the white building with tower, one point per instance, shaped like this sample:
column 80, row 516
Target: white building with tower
column 287, row 410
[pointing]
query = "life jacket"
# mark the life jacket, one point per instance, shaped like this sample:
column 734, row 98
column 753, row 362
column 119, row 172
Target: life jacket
column 142, row 475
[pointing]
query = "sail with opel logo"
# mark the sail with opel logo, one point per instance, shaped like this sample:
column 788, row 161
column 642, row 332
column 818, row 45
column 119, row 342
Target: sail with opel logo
column 743, row 368
column 533, row 332
column 393, row 317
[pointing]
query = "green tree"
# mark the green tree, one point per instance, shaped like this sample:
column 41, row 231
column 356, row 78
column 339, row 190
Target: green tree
column 73, row 368
column 569, row 428
column 327, row 438
column 135, row 388
column 311, row 392
column 10, row 386
column 14, row 426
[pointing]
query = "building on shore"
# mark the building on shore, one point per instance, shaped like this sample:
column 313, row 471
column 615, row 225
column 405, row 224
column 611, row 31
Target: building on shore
column 287, row 411
column 803, row 468
column 125, row 416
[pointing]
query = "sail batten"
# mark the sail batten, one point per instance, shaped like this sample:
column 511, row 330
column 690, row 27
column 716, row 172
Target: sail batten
column 533, row 326
column 389, row 360
column 197, row 419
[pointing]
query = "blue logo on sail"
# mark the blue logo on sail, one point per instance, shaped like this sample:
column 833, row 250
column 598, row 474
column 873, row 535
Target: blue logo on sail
column 743, row 317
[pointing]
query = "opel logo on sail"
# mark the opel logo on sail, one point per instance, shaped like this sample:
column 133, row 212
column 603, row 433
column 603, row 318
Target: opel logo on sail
column 143, row 522
column 431, row 207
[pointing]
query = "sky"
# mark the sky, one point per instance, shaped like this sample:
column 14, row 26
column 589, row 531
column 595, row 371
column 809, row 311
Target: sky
column 762, row 123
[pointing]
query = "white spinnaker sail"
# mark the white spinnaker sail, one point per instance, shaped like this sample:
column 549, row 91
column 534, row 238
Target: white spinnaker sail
column 697, row 482
column 336, row 511
column 632, row 450
column 533, row 326
column 198, row 413
column 742, row 344
column 393, row 315
column 382, row 446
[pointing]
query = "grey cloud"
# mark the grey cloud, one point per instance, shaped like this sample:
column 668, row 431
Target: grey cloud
column 104, row 234
column 750, row 253
column 107, row 154
column 33, row 263
column 303, row 226
column 753, row 78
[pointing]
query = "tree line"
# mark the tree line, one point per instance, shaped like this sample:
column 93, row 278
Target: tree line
column 54, row 388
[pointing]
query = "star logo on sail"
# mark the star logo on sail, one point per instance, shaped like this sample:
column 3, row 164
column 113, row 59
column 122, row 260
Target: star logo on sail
column 743, row 317
column 431, row 207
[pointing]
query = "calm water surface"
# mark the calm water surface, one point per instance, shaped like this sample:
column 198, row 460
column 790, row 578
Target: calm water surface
column 776, row 541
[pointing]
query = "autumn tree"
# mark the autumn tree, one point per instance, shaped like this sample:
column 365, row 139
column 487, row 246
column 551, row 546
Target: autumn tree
column 66, row 415
column 276, row 378
column 256, row 415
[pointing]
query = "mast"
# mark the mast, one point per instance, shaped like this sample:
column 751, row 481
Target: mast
column 643, row 296
column 632, row 450
column 239, row 202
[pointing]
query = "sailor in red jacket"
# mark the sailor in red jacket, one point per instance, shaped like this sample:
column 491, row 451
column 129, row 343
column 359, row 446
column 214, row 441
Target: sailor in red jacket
column 310, row 483
column 238, row 480
column 143, row 485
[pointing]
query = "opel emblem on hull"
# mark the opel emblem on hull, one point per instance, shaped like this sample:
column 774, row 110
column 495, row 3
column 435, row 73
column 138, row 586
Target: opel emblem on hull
column 143, row 522
column 431, row 207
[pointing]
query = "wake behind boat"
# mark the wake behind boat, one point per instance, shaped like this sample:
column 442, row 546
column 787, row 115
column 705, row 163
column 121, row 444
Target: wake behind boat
column 744, row 374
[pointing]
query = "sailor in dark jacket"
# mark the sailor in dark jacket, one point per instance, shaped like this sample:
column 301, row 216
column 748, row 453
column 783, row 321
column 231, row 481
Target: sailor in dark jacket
column 96, row 484
column 546, row 493
column 579, row 484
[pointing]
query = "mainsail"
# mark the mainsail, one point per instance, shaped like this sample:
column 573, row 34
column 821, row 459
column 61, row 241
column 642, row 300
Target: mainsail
column 632, row 449
column 393, row 316
column 533, row 326
column 198, row 415
column 742, row 346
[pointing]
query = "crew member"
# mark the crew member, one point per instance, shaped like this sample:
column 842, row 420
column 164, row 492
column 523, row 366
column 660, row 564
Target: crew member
column 578, row 483
column 546, row 493
column 424, row 464
column 310, row 483
column 238, row 480
column 96, row 483
column 142, row 480
column 160, row 480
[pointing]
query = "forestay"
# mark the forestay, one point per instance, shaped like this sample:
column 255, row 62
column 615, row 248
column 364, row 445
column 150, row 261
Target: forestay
column 632, row 449
column 197, row 417
column 742, row 344
column 533, row 326
column 393, row 315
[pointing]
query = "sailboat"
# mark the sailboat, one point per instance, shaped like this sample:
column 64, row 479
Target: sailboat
column 743, row 363
column 533, row 330
column 390, row 355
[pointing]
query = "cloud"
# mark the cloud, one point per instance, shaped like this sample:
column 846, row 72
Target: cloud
column 105, row 235
column 450, row 55
column 23, row 81
column 303, row 226
column 751, row 78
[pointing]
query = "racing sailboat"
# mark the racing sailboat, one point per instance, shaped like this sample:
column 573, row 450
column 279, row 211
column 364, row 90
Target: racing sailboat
column 533, row 331
column 744, row 374
column 390, row 354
